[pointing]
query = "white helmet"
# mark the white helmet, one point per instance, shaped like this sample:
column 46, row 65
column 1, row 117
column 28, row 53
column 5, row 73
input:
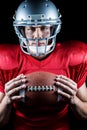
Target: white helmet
column 36, row 13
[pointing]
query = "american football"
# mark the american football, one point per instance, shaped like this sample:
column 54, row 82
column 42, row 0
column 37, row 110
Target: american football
column 41, row 89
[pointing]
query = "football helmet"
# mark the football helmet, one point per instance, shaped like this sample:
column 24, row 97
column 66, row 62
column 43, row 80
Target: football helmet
column 37, row 13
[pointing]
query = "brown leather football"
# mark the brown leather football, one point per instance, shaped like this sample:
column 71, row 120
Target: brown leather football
column 41, row 89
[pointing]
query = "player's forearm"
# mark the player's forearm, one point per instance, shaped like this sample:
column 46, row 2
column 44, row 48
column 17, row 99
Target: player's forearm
column 5, row 111
column 79, row 108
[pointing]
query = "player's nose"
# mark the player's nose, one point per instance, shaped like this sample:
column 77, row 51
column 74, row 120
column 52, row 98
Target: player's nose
column 38, row 33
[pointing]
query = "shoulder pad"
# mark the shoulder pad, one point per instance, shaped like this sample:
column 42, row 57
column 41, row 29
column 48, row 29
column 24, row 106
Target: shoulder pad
column 76, row 51
column 8, row 56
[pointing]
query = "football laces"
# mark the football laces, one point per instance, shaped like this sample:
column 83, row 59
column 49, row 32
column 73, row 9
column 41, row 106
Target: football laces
column 40, row 88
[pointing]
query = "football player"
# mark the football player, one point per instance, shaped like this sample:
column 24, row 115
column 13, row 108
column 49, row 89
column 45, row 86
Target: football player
column 37, row 23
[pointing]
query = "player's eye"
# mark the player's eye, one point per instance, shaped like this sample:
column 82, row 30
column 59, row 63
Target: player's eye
column 44, row 28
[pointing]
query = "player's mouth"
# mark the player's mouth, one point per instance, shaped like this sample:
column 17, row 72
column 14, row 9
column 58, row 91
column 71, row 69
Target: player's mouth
column 39, row 44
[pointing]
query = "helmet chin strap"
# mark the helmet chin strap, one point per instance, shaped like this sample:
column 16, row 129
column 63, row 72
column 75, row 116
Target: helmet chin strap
column 40, row 49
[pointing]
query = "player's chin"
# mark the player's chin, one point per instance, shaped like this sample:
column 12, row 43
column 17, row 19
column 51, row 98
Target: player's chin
column 40, row 57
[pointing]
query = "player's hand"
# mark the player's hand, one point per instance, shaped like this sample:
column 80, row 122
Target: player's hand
column 66, row 87
column 13, row 87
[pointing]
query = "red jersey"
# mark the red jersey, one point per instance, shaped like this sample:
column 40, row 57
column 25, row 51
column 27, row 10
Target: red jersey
column 68, row 58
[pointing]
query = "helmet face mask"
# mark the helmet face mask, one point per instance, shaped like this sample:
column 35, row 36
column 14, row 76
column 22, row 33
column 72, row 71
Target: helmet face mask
column 45, row 17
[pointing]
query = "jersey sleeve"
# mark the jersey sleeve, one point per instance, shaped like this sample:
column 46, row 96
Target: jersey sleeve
column 78, row 63
column 5, row 76
column 1, row 82
column 8, row 63
column 78, row 73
